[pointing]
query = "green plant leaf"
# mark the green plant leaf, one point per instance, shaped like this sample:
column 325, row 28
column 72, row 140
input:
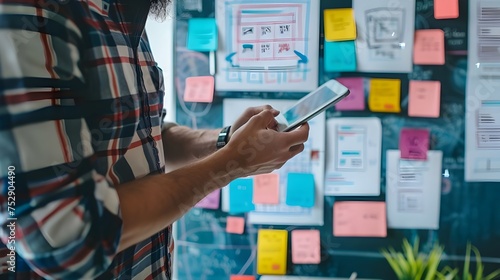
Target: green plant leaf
column 494, row 275
column 479, row 264
column 393, row 263
column 467, row 262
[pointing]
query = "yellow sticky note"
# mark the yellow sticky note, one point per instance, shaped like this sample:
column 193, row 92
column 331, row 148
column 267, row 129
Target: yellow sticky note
column 272, row 251
column 340, row 24
column 385, row 95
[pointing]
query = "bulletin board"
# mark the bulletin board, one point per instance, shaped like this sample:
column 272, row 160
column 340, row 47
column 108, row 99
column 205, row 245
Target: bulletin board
column 469, row 211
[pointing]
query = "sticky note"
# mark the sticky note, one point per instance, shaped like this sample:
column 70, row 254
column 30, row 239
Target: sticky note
column 300, row 189
column 235, row 225
column 199, row 89
column 359, row 219
column 429, row 47
column 385, row 95
column 266, row 189
column 211, row 201
column 240, row 196
column 340, row 24
column 306, row 247
column 424, row 99
column 355, row 101
column 445, row 9
column 340, row 56
column 242, row 277
column 272, row 251
column 414, row 143
column 202, row 34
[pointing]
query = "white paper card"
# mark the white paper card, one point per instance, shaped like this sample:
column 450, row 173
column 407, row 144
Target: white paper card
column 385, row 35
column 413, row 191
column 353, row 156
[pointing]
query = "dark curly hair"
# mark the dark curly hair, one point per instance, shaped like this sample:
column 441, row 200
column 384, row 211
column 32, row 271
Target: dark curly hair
column 159, row 8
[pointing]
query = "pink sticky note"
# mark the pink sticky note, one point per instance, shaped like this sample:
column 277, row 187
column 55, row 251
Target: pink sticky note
column 444, row 9
column 306, row 248
column 235, row 225
column 414, row 143
column 355, row 101
column 211, row 201
column 359, row 219
column 242, row 277
column 199, row 89
column 429, row 47
column 266, row 189
column 425, row 99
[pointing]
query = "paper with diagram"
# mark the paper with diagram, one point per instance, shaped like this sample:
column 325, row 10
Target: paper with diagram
column 482, row 146
column 310, row 161
column 385, row 35
column 353, row 156
column 413, row 191
column 267, row 45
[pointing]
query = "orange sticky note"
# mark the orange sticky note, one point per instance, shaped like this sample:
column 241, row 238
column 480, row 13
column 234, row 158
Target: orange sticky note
column 199, row 89
column 242, row 277
column 266, row 189
column 424, row 99
column 444, row 9
column 235, row 225
column 360, row 219
column 429, row 47
column 385, row 95
column 306, row 248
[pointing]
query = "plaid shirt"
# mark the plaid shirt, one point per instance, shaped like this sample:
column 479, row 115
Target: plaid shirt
column 80, row 113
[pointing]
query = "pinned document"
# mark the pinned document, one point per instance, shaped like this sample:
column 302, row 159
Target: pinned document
column 340, row 24
column 199, row 89
column 202, row 34
column 272, row 251
column 414, row 143
column 266, row 189
column 385, row 95
column 340, row 56
column 359, row 219
column 300, row 190
column 211, row 201
column 429, row 47
column 355, row 101
column 235, row 225
column 446, row 9
column 424, row 99
column 306, row 247
column 240, row 196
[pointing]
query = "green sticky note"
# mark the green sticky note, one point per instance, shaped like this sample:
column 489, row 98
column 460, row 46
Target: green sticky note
column 300, row 190
column 340, row 56
column 202, row 35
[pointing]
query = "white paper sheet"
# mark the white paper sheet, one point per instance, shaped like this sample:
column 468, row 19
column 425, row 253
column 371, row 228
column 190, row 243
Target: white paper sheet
column 353, row 156
column 267, row 45
column 385, row 35
column 413, row 191
column 482, row 146
column 305, row 163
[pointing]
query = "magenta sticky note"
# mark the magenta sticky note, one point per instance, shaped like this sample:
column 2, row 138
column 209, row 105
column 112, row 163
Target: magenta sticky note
column 235, row 225
column 266, row 189
column 414, row 143
column 429, row 47
column 306, row 247
column 359, row 219
column 355, row 101
column 446, row 9
column 211, row 201
column 424, row 99
column 199, row 89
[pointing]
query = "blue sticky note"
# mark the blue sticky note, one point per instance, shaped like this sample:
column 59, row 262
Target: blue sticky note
column 340, row 56
column 202, row 35
column 300, row 190
column 241, row 196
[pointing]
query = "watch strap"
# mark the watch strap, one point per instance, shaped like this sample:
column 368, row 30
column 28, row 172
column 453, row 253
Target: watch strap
column 223, row 137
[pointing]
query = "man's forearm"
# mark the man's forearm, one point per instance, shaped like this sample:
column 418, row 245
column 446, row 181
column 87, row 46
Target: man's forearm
column 183, row 144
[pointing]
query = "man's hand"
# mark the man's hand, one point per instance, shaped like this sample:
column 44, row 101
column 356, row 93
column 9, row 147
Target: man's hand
column 250, row 112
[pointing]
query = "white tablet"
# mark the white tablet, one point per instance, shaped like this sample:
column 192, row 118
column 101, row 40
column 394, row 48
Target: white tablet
column 311, row 105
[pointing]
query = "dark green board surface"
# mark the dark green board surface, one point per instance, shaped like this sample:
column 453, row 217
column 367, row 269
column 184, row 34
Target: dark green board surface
column 469, row 211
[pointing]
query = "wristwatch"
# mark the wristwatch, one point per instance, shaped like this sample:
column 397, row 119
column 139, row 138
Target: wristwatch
column 223, row 137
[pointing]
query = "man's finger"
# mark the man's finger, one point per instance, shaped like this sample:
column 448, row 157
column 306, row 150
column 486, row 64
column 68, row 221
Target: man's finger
column 264, row 119
column 297, row 136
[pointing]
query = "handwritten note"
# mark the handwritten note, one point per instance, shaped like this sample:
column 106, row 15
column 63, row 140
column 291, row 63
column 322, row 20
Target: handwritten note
column 300, row 190
column 199, row 89
column 235, row 225
column 211, row 201
column 385, row 95
column 429, row 47
column 414, row 143
column 424, row 99
column 340, row 56
column 240, row 196
column 359, row 219
column 446, row 9
column 355, row 101
column 306, row 247
column 272, row 251
column 202, row 34
column 340, row 24
column 266, row 189
column 242, row 277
